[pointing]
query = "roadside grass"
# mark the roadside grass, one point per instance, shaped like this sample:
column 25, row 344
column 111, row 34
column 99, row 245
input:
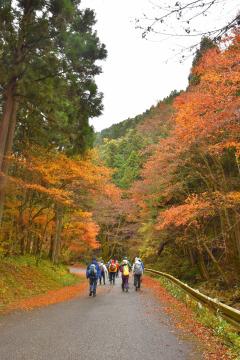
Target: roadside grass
column 22, row 278
column 220, row 328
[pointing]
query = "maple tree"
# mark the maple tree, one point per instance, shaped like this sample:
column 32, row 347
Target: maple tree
column 49, row 202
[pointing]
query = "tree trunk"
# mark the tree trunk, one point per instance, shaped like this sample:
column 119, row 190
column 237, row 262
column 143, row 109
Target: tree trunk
column 202, row 266
column 6, row 118
column 216, row 264
column 237, row 236
column 191, row 256
column 7, row 153
column 162, row 246
column 50, row 253
column 57, row 238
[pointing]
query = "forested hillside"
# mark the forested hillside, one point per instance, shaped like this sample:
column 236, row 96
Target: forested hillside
column 128, row 144
column 120, row 129
column 179, row 169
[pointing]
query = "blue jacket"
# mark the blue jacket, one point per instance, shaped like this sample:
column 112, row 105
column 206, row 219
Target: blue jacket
column 98, row 275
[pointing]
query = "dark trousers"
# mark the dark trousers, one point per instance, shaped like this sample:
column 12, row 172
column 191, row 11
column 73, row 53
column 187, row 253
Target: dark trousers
column 112, row 276
column 137, row 281
column 125, row 282
column 92, row 285
column 102, row 277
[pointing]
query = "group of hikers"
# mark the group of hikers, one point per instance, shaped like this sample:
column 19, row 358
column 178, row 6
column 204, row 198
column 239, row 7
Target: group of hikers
column 98, row 271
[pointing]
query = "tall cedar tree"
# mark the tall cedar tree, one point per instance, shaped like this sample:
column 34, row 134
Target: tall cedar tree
column 48, row 52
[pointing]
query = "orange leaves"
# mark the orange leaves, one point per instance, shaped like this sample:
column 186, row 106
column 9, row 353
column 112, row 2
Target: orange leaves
column 112, row 192
column 48, row 183
column 209, row 106
column 55, row 194
column 196, row 209
column 190, row 184
column 80, row 231
column 59, row 177
column 51, row 297
column 184, row 215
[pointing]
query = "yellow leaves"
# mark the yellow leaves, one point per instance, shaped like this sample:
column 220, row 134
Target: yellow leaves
column 227, row 200
column 83, row 214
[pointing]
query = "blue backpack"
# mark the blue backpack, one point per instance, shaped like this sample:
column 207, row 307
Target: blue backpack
column 92, row 271
column 138, row 270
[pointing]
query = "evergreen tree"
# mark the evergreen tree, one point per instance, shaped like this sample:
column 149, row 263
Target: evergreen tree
column 48, row 52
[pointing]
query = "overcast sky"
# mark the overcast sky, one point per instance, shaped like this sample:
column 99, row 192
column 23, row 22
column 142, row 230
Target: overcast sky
column 138, row 73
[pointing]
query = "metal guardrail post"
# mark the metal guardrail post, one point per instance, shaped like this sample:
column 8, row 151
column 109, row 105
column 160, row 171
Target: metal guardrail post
column 230, row 314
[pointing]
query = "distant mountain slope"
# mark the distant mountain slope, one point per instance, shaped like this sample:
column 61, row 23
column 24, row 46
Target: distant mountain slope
column 127, row 145
column 118, row 130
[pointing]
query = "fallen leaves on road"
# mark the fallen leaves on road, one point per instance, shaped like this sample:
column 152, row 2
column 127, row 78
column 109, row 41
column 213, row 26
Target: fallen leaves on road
column 184, row 319
column 52, row 297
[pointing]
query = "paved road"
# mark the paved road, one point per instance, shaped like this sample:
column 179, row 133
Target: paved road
column 114, row 325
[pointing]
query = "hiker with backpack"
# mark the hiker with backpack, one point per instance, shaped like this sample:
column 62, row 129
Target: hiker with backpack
column 103, row 273
column 112, row 270
column 128, row 262
column 137, row 270
column 125, row 270
column 93, row 273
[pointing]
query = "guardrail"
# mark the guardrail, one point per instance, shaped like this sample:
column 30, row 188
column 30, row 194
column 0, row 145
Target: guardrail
column 227, row 312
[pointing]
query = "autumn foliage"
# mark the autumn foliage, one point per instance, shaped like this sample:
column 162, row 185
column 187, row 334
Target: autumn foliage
column 49, row 207
column 188, row 197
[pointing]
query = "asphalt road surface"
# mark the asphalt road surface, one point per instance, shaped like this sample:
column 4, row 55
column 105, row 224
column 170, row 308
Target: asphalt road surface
column 114, row 325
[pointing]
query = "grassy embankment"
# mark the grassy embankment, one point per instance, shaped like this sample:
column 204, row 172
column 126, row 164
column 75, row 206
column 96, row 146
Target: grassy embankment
column 21, row 278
